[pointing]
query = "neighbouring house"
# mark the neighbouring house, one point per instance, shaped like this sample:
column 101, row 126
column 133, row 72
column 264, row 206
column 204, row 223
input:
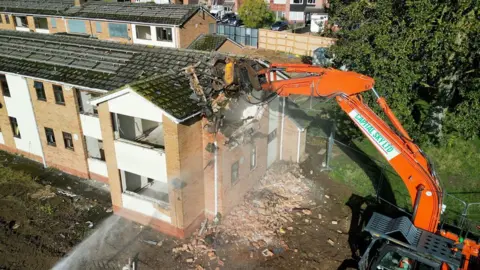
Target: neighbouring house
column 218, row 43
column 297, row 10
column 122, row 114
column 166, row 25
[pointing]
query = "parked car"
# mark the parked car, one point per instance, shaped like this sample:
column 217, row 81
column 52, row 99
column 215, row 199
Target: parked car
column 226, row 18
column 236, row 21
column 280, row 26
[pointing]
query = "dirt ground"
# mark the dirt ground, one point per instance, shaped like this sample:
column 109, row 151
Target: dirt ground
column 272, row 56
column 39, row 222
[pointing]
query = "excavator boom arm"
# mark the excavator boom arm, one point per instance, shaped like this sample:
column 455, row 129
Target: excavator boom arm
column 395, row 145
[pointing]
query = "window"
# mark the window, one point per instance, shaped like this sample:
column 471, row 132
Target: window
column 235, row 172
column 118, row 30
column 272, row 136
column 1, row 18
column 50, row 136
column 15, row 129
column 253, row 157
column 40, row 91
column 296, row 1
column 296, row 16
column 98, row 27
column 4, row 86
column 77, row 26
column 101, row 149
column 53, row 22
column 311, row 2
column 143, row 32
column 58, row 93
column 67, row 140
column 20, row 21
column 7, row 19
column 164, row 34
column 41, row 23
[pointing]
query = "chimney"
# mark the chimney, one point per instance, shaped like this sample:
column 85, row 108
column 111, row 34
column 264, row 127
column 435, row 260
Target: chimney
column 79, row 3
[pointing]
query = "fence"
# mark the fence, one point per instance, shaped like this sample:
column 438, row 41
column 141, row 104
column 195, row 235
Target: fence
column 371, row 176
column 243, row 35
column 301, row 44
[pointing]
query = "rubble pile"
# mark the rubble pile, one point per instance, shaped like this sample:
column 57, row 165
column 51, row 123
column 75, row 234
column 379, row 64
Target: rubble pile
column 267, row 209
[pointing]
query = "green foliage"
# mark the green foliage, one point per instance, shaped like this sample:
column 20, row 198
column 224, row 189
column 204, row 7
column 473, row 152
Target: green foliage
column 255, row 14
column 424, row 58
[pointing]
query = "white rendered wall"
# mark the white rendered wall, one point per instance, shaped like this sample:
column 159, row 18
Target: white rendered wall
column 146, row 207
column 134, row 105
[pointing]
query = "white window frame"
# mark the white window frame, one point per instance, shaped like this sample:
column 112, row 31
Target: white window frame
column 153, row 32
column 311, row 2
column 293, row 3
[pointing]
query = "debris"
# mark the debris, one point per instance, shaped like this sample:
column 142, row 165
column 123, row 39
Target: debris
column 281, row 230
column 109, row 210
column 267, row 253
column 16, row 226
column 334, row 222
column 290, row 228
column 66, row 193
column 153, row 243
column 322, row 151
column 189, row 260
column 43, row 194
column 278, row 250
column 90, row 224
column 199, row 267
column 204, row 225
column 330, row 241
column 68, row 187
column 61, row 235
column 311, row 171
column 220, row 262
column 319, row 216
column 268, row 208
column 307, row 211
column 295, row 250
column 340, row 232
column 326, row 196
column 211, row 255
column 307, row 220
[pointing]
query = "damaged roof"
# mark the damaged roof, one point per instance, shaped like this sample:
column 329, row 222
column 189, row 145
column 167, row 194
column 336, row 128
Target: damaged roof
column 132, row 12
column 210, row 42
column 103, row 65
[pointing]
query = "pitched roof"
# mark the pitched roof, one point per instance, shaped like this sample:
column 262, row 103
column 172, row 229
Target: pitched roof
column 171, row 92
column 132, row 12
column 210, row 42
column 102, row 65
column 45, row 7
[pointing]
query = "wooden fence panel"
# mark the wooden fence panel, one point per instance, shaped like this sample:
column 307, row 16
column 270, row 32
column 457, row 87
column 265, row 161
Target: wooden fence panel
column 292, row 43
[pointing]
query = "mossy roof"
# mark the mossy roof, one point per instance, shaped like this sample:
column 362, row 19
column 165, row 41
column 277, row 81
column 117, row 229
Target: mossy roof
column 155, row 73
column 207, row 42
column 133, row 12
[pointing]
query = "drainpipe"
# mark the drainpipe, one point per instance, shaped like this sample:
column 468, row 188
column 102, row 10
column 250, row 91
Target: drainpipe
column 215, row 175
column 298, row 145
column 281, row 133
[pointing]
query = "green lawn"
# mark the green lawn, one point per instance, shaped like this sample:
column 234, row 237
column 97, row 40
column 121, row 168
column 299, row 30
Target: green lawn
column 458, row 166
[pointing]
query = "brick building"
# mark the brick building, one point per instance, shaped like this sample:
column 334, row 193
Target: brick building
column 297, row 10
column 174, row 26
column 121, row 114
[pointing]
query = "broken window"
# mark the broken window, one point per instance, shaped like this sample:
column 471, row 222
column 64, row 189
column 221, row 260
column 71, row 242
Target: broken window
column 1, row 18
column 15, row 129
column 7, row 19
column 40, row 91
column 50, row 136
column 143, row 32
column 53, row 22
column 68, row 141
column 164, row 34
column 234, row 176
column 118, row 30
column 41, row 23
column 20, row 21
column 98, row 27
column 58, row 93
column 253, row 157
column 144, row 186
column 4, row 86
column 311, row 2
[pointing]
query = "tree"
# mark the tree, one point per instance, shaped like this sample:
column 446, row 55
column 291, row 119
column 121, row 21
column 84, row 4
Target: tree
column 424, row 56
column 255, row 13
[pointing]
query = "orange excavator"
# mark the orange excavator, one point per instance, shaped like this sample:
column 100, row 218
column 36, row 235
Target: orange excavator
column 396, row 243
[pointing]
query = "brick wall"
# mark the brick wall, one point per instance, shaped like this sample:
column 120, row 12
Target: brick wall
column 5, row 26
column 197, row 25
column 5, row 123
column 183, row 151
column 60, row 118
column 110, row 156
column 290, row 141
column 31, row 23
column 278, row 7
column 230, row 47
column 60, row 25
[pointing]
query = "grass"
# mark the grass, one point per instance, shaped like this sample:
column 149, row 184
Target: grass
column 457, row 164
